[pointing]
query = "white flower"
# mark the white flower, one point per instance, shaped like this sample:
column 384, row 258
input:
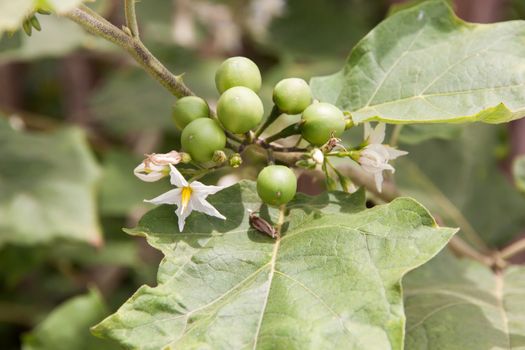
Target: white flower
column 188, row 197
column 374, row 157
column 155, row 166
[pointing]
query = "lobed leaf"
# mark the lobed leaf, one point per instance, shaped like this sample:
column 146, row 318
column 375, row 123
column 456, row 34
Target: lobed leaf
column 67, row 326
column 460, row 304
column 425, row 65
column 332, row 281
column 47, row 186
column 13, row 13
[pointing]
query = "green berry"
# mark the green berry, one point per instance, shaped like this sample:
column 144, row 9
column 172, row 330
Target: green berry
column 292, row 95
column 320, row 122
column 276, row 185
column 201, row 138
column 189, row 108
column 240, row 109
column 238, row 71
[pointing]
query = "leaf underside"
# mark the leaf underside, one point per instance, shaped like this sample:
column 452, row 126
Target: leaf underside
column 332, row 281
column 454, row 304
column 425, row 65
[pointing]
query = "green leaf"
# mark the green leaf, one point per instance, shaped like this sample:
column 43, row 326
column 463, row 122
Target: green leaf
column 58, row 37
column 518, row 169
column 67, row 327
column 286, row 31
column 13, row 13
column 416, row 133
column 460, row 304
column 424, row 65
column 150, row 110
column 47, row 182
column 332, row 281
column 460, row 183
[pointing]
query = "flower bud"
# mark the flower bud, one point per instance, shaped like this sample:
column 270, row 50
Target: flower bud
column 349, row 122
column 317, row 156
column 235, row 160
column 219, row 157
column 172, row 157
column 156, row 166
column 185, row 158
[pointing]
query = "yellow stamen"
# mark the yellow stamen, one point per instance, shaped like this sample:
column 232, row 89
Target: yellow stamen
column 186, row 195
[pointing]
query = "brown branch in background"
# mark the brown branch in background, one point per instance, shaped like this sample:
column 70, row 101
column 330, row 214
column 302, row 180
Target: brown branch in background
column 97, row 25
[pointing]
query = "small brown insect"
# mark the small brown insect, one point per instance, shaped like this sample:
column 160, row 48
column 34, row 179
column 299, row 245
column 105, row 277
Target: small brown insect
column 262, row 225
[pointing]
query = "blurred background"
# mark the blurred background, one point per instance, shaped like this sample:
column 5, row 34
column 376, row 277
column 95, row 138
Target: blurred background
column 77, row 115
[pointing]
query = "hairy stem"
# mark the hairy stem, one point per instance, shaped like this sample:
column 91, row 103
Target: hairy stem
column 131, row 18
column 97, row 25
column 513, row 249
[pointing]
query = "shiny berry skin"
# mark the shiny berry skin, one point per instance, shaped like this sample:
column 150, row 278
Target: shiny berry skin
column 320, row 121
column 238, row 71
column 187, row 109
column 239, row 109
column 201, row 138
column 276, row 185
column 292, row 95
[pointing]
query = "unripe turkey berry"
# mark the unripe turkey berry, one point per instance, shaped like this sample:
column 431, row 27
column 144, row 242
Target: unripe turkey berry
column 276, row 185
column 320, row 122
column 239, row 109
column 238, row 71
column 292, row 95
column 201, row 138
column 189, row 108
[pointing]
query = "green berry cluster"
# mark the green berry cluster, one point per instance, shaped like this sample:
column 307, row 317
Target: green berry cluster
column 240, row 112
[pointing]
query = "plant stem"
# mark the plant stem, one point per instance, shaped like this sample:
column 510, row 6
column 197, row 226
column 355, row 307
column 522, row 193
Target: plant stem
column 513, row 249
column 288, row 131
column 280, row 222
column 274, row 114
column 97, row 25
column 462, row 248
column 131, row 18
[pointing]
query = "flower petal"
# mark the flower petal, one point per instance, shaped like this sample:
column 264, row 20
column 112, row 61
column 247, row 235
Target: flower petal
column 148, row 176
column 183, row 215
column 170, row 197
column 204, row 190
column 368, row 130
column 176, row 177
column 378, row 134
column 378, row 177
column 394, row 153
column 199, row 203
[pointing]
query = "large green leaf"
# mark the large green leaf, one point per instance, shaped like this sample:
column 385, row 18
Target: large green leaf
column 460, row 182
column 12, row 13
column 47, row 184
column 332, row 281
column 454, row 304
column 67, row 327
column 424, row 65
